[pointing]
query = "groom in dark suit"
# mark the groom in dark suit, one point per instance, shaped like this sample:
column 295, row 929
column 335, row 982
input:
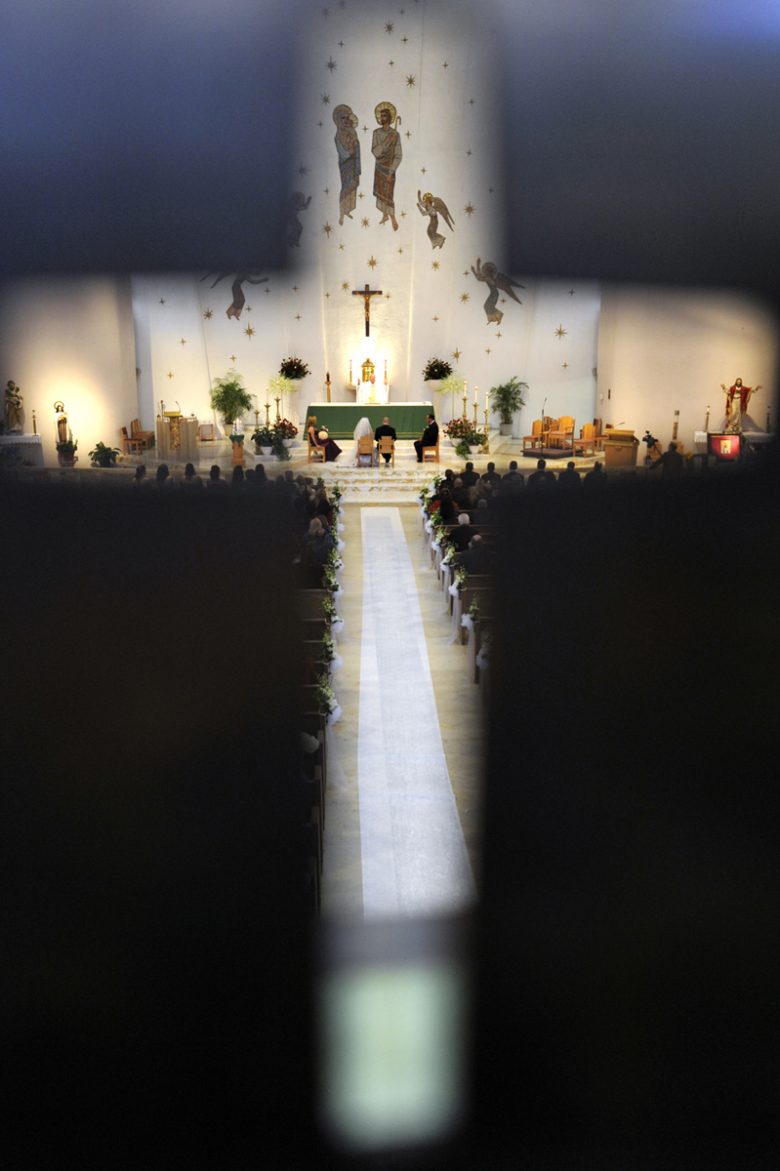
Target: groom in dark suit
column 385, row 429
column 430, row 437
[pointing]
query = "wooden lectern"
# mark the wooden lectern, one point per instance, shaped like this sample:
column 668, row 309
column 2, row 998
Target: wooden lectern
column 620, row 448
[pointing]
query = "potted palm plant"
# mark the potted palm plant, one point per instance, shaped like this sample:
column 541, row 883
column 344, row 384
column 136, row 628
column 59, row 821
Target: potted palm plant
column 230, row 398
column 506, row 399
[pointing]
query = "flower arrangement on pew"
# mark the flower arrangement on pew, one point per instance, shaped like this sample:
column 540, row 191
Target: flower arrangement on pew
column 328, row 648
column 473, row 611
column 326, row 699
column 460, row 578
column 448, row 549
column 329, row 612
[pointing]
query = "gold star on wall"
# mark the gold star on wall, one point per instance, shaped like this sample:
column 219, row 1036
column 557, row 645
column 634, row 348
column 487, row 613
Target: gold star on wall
column 560, row 332
column 488, row 350
column 457, row 354
column 445, row 65
column 390, row 63
column 249, row 331
column 232, row 357
column 564, row 365
column 372, row 262
column 571, row 292
column 400, row 251
column 435, row 265
column 499, row 334
column 327, row 296
column 295, row 289
column 327, row 229
column 326, row 99
column 331, row 65
column 364, row 223
column 469, row 209
column 162, row 300
column 303, row 170
column 389, row 27
column 434, row 318
column 208, row 314
column 411, row 81
column 345, row 286
column 465, row 297
column 170, row 374
column 297, row 317
column 182, row 341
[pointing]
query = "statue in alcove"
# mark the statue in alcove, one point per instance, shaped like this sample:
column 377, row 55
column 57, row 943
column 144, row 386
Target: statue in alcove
column 14, row 406
column 433, row 207
column 496, row 282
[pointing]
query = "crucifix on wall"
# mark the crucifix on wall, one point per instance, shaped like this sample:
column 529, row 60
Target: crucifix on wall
column 367, row 294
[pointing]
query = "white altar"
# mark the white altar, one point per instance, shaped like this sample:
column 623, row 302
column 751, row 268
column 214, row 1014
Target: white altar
column 19, row 449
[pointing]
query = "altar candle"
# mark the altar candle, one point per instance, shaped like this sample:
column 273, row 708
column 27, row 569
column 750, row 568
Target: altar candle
column 385, row 371
column 476, row 388
column 350, row 371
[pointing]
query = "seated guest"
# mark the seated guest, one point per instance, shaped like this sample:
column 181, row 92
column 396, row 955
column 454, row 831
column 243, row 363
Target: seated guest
column 513, row 478
column 237, row 480
column 485, row 511
column 319, row 438
column 163, row 477
column 478, row 558
column 140, row 475
column 385, row 429
column 190, row 479
column 447, row 507
column 468, row 476
column 429, row 437
column 461, row 536
column 596, row 478
column 569, row 478
column 461, row 494
column 541, row 479
column 215, row 480
column 491, row 476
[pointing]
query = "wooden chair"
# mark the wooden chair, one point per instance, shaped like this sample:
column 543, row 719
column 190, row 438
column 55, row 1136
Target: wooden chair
column 563, row 434
column 136, row 433
column 129, row 445
column 387, row 447
column 206, row 433
column 315, row 453
column 365, row 450
column 534, row 440
column 429, row 453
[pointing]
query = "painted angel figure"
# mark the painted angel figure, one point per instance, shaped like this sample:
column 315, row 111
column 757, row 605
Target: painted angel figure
column 295, row 204
column 239, row 300
column 434, row 207
column 496, row 281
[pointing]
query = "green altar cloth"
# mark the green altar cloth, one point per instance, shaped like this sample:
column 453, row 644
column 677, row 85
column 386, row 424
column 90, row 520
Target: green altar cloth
column 409, row 419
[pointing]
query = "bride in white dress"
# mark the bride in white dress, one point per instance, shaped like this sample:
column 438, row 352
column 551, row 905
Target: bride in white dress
column 363, row 428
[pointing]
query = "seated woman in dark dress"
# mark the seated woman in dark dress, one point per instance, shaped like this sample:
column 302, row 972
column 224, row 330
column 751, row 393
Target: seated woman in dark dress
column 315, row 433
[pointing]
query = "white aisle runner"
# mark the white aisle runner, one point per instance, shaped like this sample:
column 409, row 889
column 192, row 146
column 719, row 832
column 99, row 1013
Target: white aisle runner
column 414, row 858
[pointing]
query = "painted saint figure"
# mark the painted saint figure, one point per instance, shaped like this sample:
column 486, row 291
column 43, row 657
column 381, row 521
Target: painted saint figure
column 386, row 149
column 13, row 408
column 348, row 150
column 434, row 207
column 495, row 281
column 735, row 414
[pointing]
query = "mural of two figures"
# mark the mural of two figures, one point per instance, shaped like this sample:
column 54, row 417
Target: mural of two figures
column 387, row 152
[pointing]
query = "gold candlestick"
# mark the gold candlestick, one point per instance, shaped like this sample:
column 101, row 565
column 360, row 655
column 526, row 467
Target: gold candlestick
column 475, row 414
column 486, row 448
column 465, row 406
column 327, row 387
column 257, row 418
column 707, row 420
column 277, row 400
column 267, row 414
column 35, row 425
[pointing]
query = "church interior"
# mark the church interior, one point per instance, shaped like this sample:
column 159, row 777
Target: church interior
column 327, row 847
